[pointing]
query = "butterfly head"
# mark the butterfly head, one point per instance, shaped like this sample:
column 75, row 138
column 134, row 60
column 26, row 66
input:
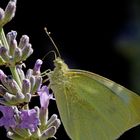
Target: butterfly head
column 58, row 76
column 60, row 65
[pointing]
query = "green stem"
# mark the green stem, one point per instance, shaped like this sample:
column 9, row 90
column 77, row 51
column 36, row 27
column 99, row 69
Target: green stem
column 15, row 75
column 12, row 68
column 3, row 39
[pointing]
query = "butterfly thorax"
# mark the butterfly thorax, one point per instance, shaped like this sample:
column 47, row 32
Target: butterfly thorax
column 59, row 76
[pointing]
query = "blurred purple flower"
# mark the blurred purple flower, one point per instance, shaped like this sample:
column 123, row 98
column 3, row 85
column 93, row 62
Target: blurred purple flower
column 29, row 120
column 45, row 96
column 7, row 119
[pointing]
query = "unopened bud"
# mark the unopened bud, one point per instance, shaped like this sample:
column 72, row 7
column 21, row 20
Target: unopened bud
column 52, row 119
column 36, row 69
column 17, row 55
column 37, row 84
column 32, row 81
column 12, row 85
column 29, row 73
column 1, row 14
column 26, row 52
column 55, row 123
column 9, row 11
column 50, row 132
column 24, row 41
column 26, row 86
column 14, row 99
column 4, row 54
column 20, row 97
column 10, row 98
column 20, row 72
column 13, row 47
column 11, row 39
column 11, row 36
column 28, row 97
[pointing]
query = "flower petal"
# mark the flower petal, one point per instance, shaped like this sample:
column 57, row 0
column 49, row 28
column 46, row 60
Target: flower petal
column 45, row 96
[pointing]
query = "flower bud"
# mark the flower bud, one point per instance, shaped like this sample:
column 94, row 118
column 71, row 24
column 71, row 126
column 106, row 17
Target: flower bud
column 54, row 121
column 24, row 41
column 28, row 97
column 4, row 54
column 9, row 11
column 11, row 39
column 12, row 85
column 50, row 132
column 1, row 14
column 17, row 55
column 32, row 81
column 20, row 72
column 37, row 84
column 10, row 98
column 29, row 73
column 14, row 99
column 11, row 36
column 26, row 86
column 36, row 69
column 20, row 97
column 13, row 47
column 26, row 52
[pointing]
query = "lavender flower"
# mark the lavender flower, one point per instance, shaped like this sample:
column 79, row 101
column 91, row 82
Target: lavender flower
column 8, row 119
column 29, row 120
column 16, row 90
column 45, row 97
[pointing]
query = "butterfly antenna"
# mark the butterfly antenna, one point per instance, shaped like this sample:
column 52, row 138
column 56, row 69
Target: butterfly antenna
column 48, row 34
column 48, row 54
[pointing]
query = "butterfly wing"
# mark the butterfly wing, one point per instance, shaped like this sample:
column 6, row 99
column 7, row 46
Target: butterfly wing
column 95, row 108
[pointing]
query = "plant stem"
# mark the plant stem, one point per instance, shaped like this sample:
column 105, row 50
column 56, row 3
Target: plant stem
column 3, row 38
column 15, row 75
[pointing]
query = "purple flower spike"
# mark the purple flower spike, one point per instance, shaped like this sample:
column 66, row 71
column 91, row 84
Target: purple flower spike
column 8, row 116
column 29, row 120
column 37, row 66
column 45, row 96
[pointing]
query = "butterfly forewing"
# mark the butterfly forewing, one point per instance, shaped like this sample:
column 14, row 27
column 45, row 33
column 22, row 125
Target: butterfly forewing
column 93, row 107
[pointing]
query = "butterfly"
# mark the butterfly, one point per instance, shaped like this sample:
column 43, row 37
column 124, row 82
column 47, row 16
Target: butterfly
column 92, row 107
